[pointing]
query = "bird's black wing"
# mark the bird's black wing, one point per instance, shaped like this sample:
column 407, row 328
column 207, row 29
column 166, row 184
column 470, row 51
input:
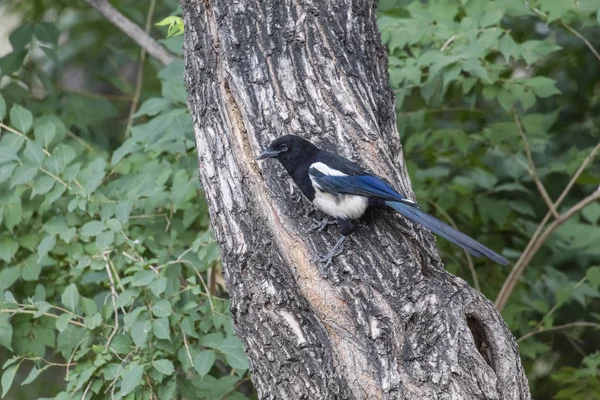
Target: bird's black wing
column 336, row 175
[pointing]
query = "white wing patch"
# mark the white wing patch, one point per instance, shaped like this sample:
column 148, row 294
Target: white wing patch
column 319, row 166
column 324, row 169
column 345, row 206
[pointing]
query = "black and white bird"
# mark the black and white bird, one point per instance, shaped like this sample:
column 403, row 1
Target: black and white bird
column 344, row 190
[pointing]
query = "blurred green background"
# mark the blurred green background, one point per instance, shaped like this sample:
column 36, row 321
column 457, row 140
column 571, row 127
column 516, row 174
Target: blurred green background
column 103, row 219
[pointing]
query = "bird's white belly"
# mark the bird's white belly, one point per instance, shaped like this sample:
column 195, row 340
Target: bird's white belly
column 341, row 206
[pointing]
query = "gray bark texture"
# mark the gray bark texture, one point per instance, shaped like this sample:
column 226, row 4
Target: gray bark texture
column 389, row 322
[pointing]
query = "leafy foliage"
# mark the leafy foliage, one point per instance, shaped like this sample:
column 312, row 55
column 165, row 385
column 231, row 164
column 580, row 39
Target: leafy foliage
column 175, row 25
column 473, row 78
column 110, row 275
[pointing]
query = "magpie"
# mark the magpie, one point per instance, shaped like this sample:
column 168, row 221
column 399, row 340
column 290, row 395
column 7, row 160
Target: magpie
column 344, row 190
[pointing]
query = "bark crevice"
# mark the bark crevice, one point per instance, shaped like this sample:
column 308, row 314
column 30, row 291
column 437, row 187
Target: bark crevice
column 480, row 339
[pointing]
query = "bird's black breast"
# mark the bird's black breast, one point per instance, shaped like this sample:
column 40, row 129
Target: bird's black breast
column 302, row 180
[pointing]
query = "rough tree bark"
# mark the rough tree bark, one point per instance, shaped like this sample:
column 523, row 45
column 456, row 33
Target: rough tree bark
column 389, row 322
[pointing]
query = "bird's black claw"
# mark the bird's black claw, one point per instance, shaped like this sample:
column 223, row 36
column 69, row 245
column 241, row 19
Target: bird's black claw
column 320, row 225
column 326, row 259
column 323, row 262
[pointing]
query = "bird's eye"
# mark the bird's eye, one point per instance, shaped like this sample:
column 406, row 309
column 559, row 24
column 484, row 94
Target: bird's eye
column 284, row 147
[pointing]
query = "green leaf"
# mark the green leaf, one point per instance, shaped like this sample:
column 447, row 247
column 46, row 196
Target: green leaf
column 161, row 329
column 60, row 158
column 163, row 366
column 43, row 307
column 12, row 142
column 93, row 321
column 142, row 278
column 8, row 276
column 44, row 334
column 62, row 322
column 104, row 240
column 46, row 32
column 140, row 331
column 12, row 62
column 96, row 174
column 23, row 174
column 126, row 297
column 203, row 361
column 13, row 212
column 92, row 228
column 591, row 212
column 505, row 100
column 35, row 372
column 132, row 316
column 153, row 106
column 8, row 154
column 21, row 118
column 70, row 297
column 55, row 225
column 128, row 146
column 46, row 245
column 114, row 224
column 234, row 353
column 563, row 294
column 45, row 133
column 34, row 153
column 9, row 297
column 6, row 331
column 158, row 286
column 40, row 293
column 88, row 306
column 42, row 185
column 131, row 378
column 593, row 276
column 31, row 269
column 68, row 234
column 214, row 340
column 6, row 171
column 491, row 17
column 162, row 308
column 20, row 37
column 8, row 377
column 508, row 47
column 543, row 87
column 555, row 8
column 122, row 344
column 8, row 248
column 123, row 210
column 175, row 25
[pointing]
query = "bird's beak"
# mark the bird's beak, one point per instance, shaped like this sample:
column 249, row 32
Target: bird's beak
column 268, row 154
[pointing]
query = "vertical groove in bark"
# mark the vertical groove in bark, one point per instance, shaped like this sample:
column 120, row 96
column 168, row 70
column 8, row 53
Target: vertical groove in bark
column 390, row 322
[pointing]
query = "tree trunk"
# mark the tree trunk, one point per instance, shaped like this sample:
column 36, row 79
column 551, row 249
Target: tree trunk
column 389, row 322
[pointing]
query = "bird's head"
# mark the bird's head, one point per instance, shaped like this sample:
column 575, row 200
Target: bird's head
column 286, row 148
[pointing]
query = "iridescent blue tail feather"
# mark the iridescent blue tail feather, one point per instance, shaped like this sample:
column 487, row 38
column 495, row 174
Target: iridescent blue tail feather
column 446, row 231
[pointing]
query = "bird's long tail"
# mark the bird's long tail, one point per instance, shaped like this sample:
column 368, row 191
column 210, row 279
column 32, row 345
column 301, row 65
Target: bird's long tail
column 446, row 231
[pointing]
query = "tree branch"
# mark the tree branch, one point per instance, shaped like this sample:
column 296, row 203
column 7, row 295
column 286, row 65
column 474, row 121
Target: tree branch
column 140, row 72
column 531, row 169
column 559, row 328
column 536, row 243
column 519, row 267
column 132, row 30
column 582, row 38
